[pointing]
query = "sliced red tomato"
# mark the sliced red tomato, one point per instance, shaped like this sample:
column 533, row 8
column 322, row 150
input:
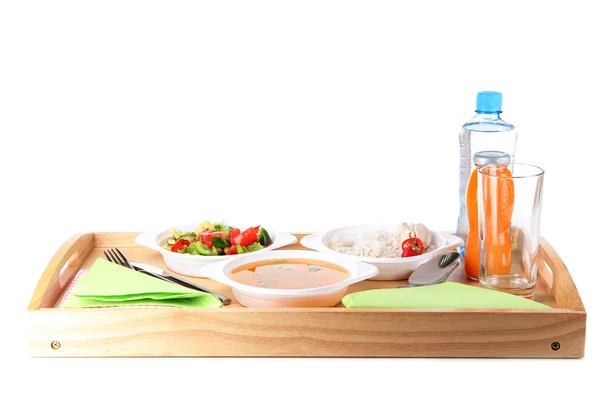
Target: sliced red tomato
column 207, row 235
column 248, row 237
column 206, row 241
column 235, row 236
column 257, row 230
column 232, row 250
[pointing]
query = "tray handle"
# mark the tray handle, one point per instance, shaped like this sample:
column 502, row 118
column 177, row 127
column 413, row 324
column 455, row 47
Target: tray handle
column 560, row 282
column 366, row 271
column 60, row 271
column 214, row 271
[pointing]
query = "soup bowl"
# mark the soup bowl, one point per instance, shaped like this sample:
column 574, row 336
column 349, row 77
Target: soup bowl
column 260, row 297
column 390, row 269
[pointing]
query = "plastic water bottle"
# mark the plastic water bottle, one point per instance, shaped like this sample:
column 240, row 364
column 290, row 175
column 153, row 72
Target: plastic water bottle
column 485, row 132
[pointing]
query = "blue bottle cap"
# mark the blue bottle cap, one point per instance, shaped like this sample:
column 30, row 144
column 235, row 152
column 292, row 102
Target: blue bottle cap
column 489, row 102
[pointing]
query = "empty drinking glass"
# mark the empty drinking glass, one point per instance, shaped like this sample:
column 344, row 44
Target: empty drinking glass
column 510, row 204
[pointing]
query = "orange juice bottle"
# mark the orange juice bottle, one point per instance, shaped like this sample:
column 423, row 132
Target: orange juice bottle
column 472, row 247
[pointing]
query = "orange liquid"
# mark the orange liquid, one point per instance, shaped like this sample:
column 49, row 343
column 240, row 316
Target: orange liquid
column 498, row 208
column 289, row 274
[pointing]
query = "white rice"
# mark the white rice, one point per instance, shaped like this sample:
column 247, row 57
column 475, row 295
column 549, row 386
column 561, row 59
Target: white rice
column 378, row 245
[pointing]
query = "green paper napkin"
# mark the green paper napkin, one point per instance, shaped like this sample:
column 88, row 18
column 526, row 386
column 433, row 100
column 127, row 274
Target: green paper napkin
column 107, row 284
column 443, row 295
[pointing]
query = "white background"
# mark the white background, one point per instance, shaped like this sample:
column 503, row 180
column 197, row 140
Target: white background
column 136, row 115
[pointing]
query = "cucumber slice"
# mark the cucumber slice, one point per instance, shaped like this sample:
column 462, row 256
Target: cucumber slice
column 204, row 250
column 255, row 247
column 191, row 249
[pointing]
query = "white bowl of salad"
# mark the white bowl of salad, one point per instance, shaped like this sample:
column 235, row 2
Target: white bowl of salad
column 187, row 249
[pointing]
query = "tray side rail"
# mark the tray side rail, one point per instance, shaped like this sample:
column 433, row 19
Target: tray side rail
column 60, row 271
column 242, row 332
column 560, row 282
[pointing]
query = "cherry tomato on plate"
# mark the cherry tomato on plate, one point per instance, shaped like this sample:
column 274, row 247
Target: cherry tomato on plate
column 412, row 247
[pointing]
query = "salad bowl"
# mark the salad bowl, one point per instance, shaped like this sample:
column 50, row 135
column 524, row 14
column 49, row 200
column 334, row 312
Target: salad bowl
column 193, row 265
column 390, row 269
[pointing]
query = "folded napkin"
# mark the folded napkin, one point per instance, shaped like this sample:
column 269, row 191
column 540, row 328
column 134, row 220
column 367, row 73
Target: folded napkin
column 443, row 295
column 108, row 285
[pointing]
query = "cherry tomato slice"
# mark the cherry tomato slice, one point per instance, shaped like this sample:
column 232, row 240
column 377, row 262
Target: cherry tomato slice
column 408, row 252
column 415, row 244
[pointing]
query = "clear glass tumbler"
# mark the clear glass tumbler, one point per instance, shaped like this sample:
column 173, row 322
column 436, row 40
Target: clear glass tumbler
column 510, row 205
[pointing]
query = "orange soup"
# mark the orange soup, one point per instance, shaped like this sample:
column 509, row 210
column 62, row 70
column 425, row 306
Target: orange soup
column 288, row 274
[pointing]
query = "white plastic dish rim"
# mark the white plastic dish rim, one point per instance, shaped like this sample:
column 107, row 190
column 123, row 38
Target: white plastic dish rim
column 317, row 241
column 153, row 240
column 359, row 271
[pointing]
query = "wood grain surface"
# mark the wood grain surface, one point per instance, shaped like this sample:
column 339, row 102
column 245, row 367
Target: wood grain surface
column 332, row 332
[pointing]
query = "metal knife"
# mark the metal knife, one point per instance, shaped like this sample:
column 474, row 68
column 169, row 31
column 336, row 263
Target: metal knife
column 161, row 274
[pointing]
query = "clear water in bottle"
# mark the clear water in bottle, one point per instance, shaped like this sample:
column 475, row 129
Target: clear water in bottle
column 486, row 131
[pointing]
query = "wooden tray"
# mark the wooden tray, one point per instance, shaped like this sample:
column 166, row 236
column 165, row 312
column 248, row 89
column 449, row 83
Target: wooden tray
column 333, row 332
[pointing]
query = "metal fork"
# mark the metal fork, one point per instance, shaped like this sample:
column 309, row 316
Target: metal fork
column 117, row 257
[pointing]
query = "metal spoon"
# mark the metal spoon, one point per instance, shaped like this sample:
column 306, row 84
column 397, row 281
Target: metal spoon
column 434, row 271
